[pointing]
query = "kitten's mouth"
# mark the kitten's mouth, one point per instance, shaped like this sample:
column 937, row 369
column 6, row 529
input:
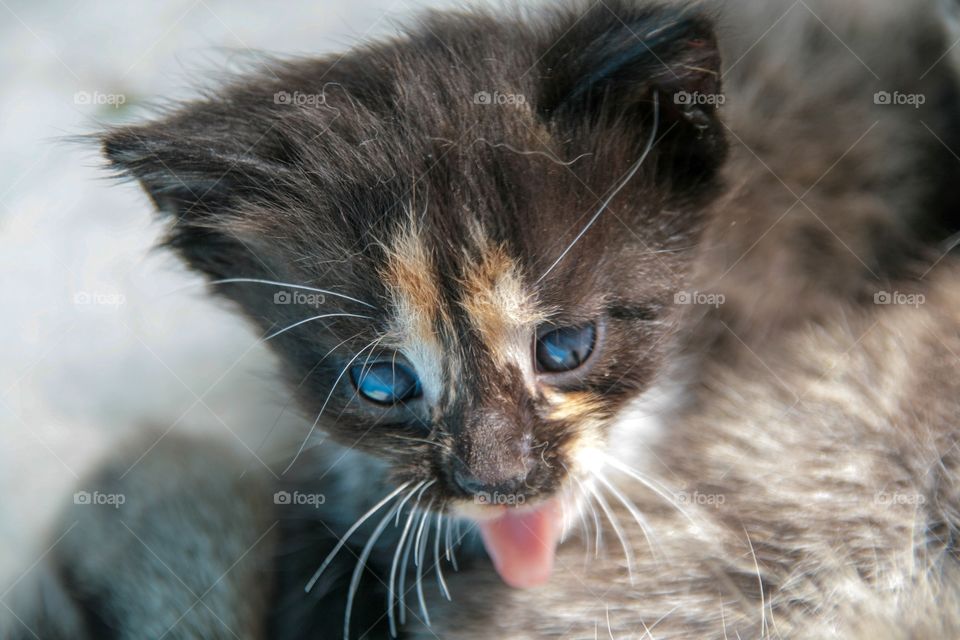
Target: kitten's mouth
column 522, row 542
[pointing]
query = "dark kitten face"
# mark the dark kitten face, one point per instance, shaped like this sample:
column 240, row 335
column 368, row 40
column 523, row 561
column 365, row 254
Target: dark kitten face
column 499, row 263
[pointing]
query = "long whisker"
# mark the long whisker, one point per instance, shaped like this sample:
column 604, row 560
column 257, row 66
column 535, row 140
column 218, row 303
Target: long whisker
column 403, row 546
column 356, row 525
column 293, row 286
column 617, row 530
column 410, row 548
column 441, row 583
column 333, row 388
column 651, row 485
column 421, row 549
column 449, row 536
column 407, row 497
column 623, row 183
column 391, row 617
column 358, row 571
column 632, row 508
column 588, row 495
column 417, row 554
column 326, row 315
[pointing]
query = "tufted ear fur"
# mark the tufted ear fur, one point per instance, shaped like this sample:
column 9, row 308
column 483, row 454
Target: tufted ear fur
column 613, row 63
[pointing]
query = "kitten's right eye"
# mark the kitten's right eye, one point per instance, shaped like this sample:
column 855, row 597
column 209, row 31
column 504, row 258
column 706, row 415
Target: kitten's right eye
column 565, row 349
column 386, row 383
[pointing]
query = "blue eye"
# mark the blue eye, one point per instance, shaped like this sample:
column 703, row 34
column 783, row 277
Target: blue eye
column 565, row 349
column 386, row 383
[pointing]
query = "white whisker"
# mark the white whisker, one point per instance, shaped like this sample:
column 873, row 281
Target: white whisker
column 632, row 508
column 391, row 617
column 596, row 518
column 623, row 183
column 395, row 585
column 326, row 315
column 651, row 485
column 449, row 537
column 358, row 571
column 333, row 388
column 402, row 580
column 407, row 497
column 356, row 525
column 441, row 583
column 617, row 530
column 292, row 286
column 419, row 553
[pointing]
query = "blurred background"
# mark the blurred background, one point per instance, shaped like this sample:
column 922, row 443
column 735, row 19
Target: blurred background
column 103, row 338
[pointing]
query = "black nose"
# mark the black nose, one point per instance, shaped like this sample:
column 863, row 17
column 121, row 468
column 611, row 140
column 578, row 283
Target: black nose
column 470, row 484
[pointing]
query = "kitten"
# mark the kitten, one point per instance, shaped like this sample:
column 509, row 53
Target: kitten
column 466, row 245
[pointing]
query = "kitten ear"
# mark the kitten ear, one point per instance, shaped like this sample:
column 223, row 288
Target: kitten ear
column 619, row 61
column 201, row 165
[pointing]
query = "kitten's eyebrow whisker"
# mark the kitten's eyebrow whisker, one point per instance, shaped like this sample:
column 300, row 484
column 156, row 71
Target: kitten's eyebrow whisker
column 356, row 525
column 300, row 287
column 333, row 388
column 613, row 194
column 321, row 317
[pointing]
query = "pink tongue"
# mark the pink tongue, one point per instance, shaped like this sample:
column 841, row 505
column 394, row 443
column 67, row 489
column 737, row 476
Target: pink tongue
column 523, row 544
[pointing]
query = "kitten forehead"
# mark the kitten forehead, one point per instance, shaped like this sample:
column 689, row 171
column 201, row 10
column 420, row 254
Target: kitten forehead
column 499, row 306
column 411, row 280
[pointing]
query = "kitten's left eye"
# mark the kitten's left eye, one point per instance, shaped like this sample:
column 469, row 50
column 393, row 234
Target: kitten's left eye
column 565, row 349
column 386, row 383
